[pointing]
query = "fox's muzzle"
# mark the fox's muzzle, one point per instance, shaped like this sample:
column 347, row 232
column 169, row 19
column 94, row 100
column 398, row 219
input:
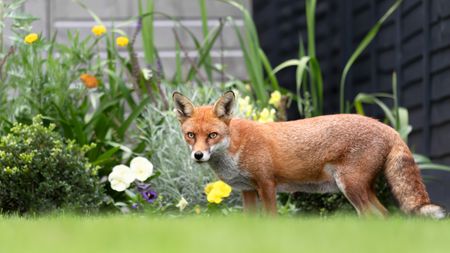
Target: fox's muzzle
column 200, row 156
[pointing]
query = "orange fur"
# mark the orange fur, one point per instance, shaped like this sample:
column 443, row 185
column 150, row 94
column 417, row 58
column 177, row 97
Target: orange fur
column 341, row 152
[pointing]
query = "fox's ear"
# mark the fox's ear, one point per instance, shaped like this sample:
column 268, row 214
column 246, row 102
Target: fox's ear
column 183, row 106
column 223, row 108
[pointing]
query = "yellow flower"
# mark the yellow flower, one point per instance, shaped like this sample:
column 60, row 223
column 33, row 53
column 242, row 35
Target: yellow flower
column 98, row 30
column 122, row 41
column 223, row 188
column 214, row 197
column 208, row 188
column 31, row 38
column 245, row 106
column 89, row 81
column 266, row 116
column 197, row 210
column 217, row 191
column 275, row 98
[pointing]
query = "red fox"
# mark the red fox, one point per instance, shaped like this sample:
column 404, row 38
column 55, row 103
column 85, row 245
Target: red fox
column 343, row 152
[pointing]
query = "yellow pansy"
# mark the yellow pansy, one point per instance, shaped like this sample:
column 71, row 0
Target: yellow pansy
column 223, row 188
column 275, row 98
column 208, row 188
column 31, row 38
column 217, row 191
column 98, row 30
column 122, row 41
column 214, row 197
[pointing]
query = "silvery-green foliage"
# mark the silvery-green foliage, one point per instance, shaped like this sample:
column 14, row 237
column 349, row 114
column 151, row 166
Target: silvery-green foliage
column 180, row 176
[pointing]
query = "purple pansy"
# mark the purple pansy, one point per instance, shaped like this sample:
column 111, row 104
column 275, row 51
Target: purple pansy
column 147, row 193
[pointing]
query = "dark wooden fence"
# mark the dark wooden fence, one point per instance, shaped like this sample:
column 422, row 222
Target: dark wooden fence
column 414, row 42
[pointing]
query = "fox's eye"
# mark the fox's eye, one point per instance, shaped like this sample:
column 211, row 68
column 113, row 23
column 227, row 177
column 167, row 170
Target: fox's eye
column 190, row 135
column 212, row 135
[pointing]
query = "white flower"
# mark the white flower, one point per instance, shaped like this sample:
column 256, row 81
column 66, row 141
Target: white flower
column 182, row 204
column 121, row 177
column 119, row 185
column 147, row 73
column 141, row 168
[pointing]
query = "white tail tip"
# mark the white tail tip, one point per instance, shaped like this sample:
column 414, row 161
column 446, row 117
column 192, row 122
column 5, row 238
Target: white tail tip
column 432, row 211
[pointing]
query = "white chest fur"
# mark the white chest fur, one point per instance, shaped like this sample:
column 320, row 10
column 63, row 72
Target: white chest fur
column 227, row 169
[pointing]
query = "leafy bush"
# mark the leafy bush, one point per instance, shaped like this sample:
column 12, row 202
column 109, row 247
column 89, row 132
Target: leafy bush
column 41, row 171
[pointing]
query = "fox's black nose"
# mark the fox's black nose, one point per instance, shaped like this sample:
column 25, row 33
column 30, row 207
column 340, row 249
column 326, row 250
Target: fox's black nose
column 198, row 155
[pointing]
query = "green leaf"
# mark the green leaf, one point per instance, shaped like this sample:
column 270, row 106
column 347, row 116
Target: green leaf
column 106, row 156
column 134, row 114
column 368, row 38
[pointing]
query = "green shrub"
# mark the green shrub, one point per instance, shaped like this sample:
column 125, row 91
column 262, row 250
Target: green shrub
column 40, row 171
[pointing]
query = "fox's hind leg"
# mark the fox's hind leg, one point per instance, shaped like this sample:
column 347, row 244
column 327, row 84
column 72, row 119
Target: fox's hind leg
column 360, row 193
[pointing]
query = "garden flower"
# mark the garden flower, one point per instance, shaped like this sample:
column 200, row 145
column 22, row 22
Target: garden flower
column 98, row 30
column 217, row 191
column 147, row 73
column 266, row 116
column 245, row 106
column 31, row 38
column 89, row 81
column 182, row 204
column 119, row 184
column 120, row 178
column 214, row 197
column 147, row 193
column 122, row 41
column 141, row 168
column 275, row 98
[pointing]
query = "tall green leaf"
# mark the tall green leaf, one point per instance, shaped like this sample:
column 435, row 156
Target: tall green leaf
column 368, row 38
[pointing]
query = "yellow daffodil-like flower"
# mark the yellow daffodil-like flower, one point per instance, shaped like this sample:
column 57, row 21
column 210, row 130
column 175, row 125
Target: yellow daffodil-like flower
column 98, row 30
column 217, row 191
column 266, row 116
column 122, row 41
column 31, row 38
column 275, row 98
column 245, row 106
column 182, row 204
column 89, row 81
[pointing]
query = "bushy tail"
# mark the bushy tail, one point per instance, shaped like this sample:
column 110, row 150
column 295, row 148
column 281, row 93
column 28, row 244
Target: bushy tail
column 405, row 180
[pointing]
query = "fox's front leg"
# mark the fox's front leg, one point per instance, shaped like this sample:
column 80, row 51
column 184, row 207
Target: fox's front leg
column 250, row 201
column 268, row 194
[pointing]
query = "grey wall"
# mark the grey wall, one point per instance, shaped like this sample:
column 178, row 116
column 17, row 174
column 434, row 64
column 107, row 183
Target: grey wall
column 61, row 15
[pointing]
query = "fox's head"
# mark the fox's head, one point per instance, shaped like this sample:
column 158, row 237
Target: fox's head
column 205, row 128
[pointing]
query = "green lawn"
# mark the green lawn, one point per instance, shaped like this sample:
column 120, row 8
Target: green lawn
column 66, row 234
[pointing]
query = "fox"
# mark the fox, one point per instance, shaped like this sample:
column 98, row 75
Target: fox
column 324, row 154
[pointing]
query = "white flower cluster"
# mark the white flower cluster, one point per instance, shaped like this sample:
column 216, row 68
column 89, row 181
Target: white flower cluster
column 122, row 176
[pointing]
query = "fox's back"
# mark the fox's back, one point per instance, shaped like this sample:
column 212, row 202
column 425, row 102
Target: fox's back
column 309, row 144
